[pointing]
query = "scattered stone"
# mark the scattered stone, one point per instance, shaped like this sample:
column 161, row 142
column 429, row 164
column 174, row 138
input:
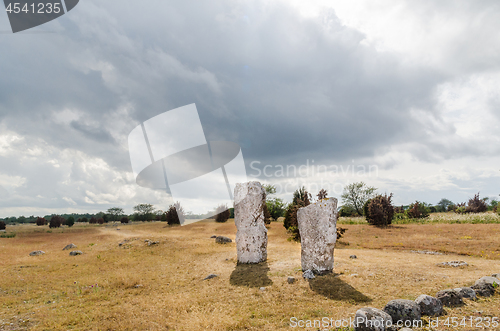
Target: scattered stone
column 118, row 229
column 291, row 280
column 318, row 233
column 453, row 264
column 353, row 257
column 214, row 236
column 74, row 253
column 429, row 306
column 138, row 286
column 70, row 246
column 121, row 244
column 308, row 274
column 484, row 289
column 251, row 238
column 450, row 298
column 147, row 240
column 150, row 243
column 466, row 292
column 210, row 276
column 372, row 319
column 489, row 280
column 222, row 240
column 403, row 310
column 427, row 252
column 37, row 253
column 262, row 289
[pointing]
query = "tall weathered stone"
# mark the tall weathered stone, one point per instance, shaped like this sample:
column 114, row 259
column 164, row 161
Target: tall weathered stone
column 318, row 233
column 251, row 238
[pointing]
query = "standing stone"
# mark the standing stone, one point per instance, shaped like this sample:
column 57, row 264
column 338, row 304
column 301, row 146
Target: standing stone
column 318, row 233
column 251, row 238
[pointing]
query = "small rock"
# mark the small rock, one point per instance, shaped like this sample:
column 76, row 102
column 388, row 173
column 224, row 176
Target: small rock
column 466, row 292
column 353, row 257
column 214, row 236
column 262, row 289
column 70, row 246
column 36, row 253
column 291, row 280
column 429, row 306
column 74, row 253
column 210, row 276
column 372, row 319
column 427, row 252
column 121, row 244
column 138, row 286
column 450, row 298
column 308, row 274
column 118, row 229
column 453, row 264
column 222, row 240
column 403, row 310
column 150, row 243
column 147, row 240
column 489, row 280
column 484, row 289
column 354, row 275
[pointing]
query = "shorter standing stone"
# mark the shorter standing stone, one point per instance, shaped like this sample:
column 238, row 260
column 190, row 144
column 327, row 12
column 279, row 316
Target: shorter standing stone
column 466, row 292
column 70, row 246
column 74, row 253
column 318, row 233
column 308, row 274
column 403, row 310
column 484, row 289
column 36, row 253
column 291, row 280
column 222, row 240
column 449, row 298
column 372, row 319
column 429, row 306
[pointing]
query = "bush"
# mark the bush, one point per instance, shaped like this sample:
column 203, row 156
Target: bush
column 301, row 198
column 41, row 221
column 451, row 207
column 366, row 210
column 70, row 221
column 2, row 225
column 124, row 220
column 93, row 220
column 100, row 220
column 222, row 214
column 171, row 216
column 267, row 215
column 380, row 210
column 476, row 205
column 56, row 221
column 346, row 211
column 83, row 220
column 276, row 208
column 417, row 210
column 340, row 232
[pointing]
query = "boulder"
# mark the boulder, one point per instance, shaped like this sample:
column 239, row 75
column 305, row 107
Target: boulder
column 36, row 253
column 222, row 240
column 403, row 310
column 70, row 246
column 308, row 274
column 484, row 289
column 429, row 306
column 489, row 280
column 74, row 253
column 372, row 319
column 450, row 298
column 251, row 237
column 318, row 233
column 466, row 292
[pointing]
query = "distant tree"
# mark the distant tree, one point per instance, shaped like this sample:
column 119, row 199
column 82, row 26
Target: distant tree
column 70, row 221
column 115, row 213
column 276, row 207
column 56, row 221
column 270, row 189
column 41, row 221
column 2, row 225
column 346, row 211
column 355, row 196
column 93, row 220
column 124, row 220
column 144, row 212
column 322, row 194
column 443, row 204
column 171, row 217
column 84, row 220
column 417, row 210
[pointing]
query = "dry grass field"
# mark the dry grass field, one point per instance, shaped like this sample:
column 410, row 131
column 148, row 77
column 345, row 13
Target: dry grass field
column 161, row 287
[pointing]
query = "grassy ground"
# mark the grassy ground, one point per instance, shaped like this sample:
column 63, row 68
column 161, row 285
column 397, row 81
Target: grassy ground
column 161, row 287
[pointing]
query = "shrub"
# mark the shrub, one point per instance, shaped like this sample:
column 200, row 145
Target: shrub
column 399, row 210
column 451, row 207
column 276, row 208
column 171, row 216
column 222, row 214
column 346, row 211
column 124, row 220
column 366, row 210
column 100, row 220
column 267, row 215
column 41, row 221
column 301, row 198
column 322, row 194
column 84, row 220
column 2, row 225
column 70, row 221
column 380, row 210
column 93, row 220
column 340, row 232
column 461, row 210
column 417, row 210
column 56, row 221
column 476, row 205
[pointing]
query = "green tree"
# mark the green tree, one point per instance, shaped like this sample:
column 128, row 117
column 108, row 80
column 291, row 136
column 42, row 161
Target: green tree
column 70, row 221
column 270, row 189
column 115, row 213
column 355, row 196
column 275, row 206
column 144, row 212
column 443, row 204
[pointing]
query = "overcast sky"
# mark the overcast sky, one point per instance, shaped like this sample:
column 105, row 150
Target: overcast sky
column 409, row 88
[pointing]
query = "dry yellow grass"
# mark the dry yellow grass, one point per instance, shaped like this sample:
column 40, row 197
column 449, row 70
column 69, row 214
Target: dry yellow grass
column 54, row 291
